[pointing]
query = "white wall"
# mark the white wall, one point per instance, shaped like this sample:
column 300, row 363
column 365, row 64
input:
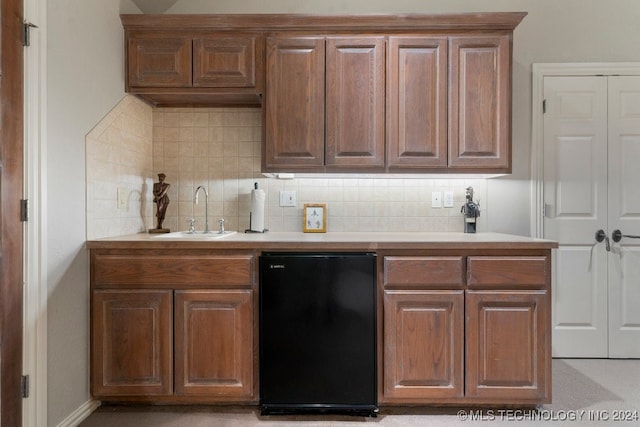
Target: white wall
column 85, row 80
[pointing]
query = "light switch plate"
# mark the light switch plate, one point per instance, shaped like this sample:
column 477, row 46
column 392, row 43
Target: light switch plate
column 288, row 198
column 448, row 199
column 436, row 199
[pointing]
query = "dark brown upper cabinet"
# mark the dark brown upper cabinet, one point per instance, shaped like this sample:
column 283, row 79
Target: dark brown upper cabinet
column 370, row 93
column 355, row 102
column 480, row 102
column 324, row 104
column 170, row 64
column 225, row 61
column 294, row 109
column 158, row 61
column 417, row 99
column 449, row 103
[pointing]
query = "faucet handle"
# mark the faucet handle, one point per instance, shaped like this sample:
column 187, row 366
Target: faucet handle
column 192, row 225
column 221, row 228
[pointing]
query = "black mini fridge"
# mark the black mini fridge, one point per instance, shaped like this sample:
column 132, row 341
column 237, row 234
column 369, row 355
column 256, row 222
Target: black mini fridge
column 318, row 333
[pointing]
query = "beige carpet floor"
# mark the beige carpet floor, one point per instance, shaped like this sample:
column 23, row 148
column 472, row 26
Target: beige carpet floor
column 586, row 392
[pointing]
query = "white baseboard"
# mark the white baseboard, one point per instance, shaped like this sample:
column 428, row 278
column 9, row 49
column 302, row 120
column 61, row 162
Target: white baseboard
column 80, row 414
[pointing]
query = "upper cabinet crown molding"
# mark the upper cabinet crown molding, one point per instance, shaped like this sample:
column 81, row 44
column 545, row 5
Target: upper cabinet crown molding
column 326, row 23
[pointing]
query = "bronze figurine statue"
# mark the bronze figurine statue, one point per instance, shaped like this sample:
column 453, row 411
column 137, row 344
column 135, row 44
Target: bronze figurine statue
column 161, row 199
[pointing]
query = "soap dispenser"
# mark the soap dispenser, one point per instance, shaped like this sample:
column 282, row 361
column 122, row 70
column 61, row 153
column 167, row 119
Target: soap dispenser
column 471, row 211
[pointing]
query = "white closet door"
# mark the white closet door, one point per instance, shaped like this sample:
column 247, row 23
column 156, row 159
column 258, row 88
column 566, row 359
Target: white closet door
column 575, row 197
column 624, row 215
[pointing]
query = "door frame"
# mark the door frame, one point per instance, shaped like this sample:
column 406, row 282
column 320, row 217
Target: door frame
column 34, row 408
column 540, row 71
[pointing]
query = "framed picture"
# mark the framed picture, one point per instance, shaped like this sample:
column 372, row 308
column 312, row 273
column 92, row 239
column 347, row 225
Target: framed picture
column 314, row 218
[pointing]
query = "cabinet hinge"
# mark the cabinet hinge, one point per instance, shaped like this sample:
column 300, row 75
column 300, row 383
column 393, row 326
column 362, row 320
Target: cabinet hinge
column 24, row 210
column 26, row 30
column 24, row 385
column 544, row 106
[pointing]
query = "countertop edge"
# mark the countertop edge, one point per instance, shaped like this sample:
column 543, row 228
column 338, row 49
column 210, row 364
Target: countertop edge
column 457, row 241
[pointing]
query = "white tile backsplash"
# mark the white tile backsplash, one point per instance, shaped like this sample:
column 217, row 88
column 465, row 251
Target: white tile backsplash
column 119, row 156
column 219, row 148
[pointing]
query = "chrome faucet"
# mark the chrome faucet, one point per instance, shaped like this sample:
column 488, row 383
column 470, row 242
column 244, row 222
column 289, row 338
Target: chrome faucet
column 206, row 206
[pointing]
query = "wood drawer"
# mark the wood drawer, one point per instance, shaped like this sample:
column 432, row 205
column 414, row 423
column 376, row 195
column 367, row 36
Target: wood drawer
column 424, row 271
column 229, row 270
column 507, row 272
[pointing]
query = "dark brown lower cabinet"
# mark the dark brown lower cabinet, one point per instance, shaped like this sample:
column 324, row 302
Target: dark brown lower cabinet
column 480, row 339
column 457, row 326
column 507, row 353
column 424, row 344
column 173, row 326
column 214, row 343
column 132, row 343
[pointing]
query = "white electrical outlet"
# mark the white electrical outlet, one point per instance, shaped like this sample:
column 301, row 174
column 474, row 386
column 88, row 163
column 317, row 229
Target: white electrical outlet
column 448, row 199
column 288, row 198
column 436, row 199
column 121, row 199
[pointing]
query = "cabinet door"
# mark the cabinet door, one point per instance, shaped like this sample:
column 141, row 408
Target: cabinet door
column 355, row 102
column 423, row 345
column 508, row 354
column 132, row 343
column 417, row 95
column 214, row 344
column 480, row 102
column 158, row 60
column 220, row 61
column 294, row 111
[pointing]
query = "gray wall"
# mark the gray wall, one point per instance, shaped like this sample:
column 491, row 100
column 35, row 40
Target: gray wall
column 85, row 80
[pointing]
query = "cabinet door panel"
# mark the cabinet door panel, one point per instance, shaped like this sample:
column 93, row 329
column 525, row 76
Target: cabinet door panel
column 294, row 112
column 158, row 61
column 355, row 102
column 214, row 343
column 224, row 61
column 423, row 345
column 417, row 93
column 508, row 340
column 480, row 102
column 132, row 343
